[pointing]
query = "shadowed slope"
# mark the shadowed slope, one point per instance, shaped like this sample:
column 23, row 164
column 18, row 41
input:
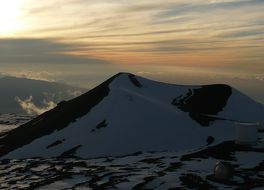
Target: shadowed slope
column 55, row 119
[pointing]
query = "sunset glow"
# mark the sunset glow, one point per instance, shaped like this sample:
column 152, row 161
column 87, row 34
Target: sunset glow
column 146, row 32
column 9, row 16
column 220, row 35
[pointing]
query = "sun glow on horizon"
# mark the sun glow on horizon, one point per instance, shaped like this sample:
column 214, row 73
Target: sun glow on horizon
column 148, row 32
column 9, row 16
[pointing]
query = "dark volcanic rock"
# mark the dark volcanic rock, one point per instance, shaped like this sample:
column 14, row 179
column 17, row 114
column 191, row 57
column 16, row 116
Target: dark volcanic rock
column 224, row 151
column 55, row 143
column 134, row 80
column 195, row 182
column 204, row 102
column 101, row 125
column 70, row 153
column 210, row 140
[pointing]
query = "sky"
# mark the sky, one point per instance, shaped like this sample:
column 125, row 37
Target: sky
column 83, row 42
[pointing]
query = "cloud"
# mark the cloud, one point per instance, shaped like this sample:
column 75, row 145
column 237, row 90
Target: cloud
column 63, row 95
column 41, row 75
column 29, row 106
column 202, row 7
column 158, row 32
column 41, row 51
column 150, row 73
column 74, row 93
column 125, row 31
column 242, row 34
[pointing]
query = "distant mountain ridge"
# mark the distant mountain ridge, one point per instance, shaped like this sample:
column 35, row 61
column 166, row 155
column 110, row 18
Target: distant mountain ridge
column 37, row 91
column 128, row 113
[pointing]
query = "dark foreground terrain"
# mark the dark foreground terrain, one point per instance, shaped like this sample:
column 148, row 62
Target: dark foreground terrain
column 163, row 170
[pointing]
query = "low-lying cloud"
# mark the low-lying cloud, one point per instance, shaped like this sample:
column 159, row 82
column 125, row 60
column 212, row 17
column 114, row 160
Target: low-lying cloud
column 41, row 75
column 74, row 93
column 31, row 108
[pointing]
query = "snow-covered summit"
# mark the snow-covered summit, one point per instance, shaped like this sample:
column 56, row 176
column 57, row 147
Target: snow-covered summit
column 128, row 113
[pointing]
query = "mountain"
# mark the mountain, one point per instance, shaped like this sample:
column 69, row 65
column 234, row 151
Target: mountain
column 127, row 114
column 34, row 93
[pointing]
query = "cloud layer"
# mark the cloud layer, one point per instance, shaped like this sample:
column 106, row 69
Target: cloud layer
column 225, row 33
column 33, row 50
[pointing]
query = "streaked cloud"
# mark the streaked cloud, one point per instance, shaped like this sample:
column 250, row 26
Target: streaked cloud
column 226, row 33
column 26, row 50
